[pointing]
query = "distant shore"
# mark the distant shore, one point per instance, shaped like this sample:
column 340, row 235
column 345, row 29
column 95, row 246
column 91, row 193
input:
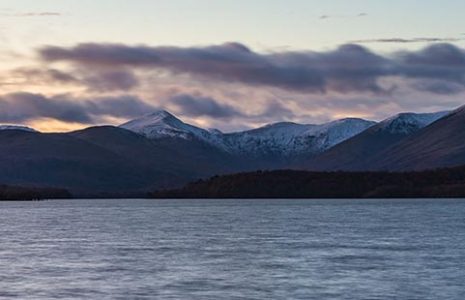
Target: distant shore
column 19, row 193
column 441, row 183
column 292, row 184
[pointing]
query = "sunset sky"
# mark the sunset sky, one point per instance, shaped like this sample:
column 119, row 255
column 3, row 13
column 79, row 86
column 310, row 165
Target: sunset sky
column 228, row 64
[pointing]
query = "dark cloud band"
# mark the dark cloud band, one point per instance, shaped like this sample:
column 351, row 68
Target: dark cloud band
column 94, row 80
column 23, row 107
column 200, row 106
column 349, row 68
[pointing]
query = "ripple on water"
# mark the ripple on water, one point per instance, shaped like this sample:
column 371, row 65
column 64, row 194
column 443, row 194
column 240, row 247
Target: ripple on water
column 233, row 249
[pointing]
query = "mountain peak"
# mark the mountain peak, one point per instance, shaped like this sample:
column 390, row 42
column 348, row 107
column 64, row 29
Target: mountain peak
column 161, row 124
column 156, row 118
column 160, row 116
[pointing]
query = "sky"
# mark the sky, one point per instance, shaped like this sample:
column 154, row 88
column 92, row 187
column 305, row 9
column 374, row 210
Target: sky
column 227, row 64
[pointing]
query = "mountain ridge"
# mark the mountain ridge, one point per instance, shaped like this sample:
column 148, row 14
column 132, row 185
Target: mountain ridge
column 441, row 144
column 354, row 154
column 282, row 138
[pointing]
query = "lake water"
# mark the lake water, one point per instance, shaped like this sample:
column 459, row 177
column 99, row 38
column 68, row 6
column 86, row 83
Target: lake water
column 233, row 249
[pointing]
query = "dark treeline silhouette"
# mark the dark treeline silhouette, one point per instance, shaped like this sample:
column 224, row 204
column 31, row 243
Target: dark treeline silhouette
column 31, row 193
column 302, row 184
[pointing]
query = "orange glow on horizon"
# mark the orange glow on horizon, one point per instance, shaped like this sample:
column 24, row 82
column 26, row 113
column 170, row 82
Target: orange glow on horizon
column 52, row 125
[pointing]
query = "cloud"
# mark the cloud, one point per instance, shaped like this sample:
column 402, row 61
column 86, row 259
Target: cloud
column 94, row 80
column 28, row 107
column 120, row 107
column 350, row 68
column 307, row 71
column 40, row 75
column 23, row 107
column 439, row 87
column 200, row 106
column 276, row 111
column 19, row 107
column 439, row 55
column 410, row 40
column 232, row 86
column 111, row 81
column 439, row 61
column 110, row 54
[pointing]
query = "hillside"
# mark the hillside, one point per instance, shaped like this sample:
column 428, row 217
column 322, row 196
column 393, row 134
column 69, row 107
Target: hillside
column 357, row 153
column 441, row 144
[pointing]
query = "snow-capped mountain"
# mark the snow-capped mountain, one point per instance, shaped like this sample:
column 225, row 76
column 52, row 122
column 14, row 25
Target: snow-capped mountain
column 439, row 145
column 406, row 123
column 291, row 138
column 17, row 127
column 280, row 138
column 162, row 124
column 355, row 153
column 271, row 138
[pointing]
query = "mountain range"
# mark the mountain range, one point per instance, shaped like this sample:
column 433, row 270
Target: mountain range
column 160, row 151
column 278, row 139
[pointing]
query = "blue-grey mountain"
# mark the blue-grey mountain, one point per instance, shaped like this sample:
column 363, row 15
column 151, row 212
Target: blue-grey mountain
column 159, row 151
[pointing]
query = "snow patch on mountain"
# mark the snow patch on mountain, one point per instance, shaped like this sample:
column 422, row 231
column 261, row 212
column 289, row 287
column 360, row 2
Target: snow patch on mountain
column 406, row 123
column 291, row 138
column 330, row 134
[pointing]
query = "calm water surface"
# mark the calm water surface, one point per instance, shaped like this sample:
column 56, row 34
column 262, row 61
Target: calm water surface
column 233, row 249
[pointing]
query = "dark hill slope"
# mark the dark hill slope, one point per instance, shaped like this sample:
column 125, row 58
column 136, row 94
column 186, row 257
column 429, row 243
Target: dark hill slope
column 103, row 160
column 61, row 160
column 442, row 144
column 185, row 159
column 357, row 153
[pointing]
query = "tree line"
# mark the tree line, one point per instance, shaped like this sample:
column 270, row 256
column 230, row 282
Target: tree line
column 8, row 192
column 448, row 182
